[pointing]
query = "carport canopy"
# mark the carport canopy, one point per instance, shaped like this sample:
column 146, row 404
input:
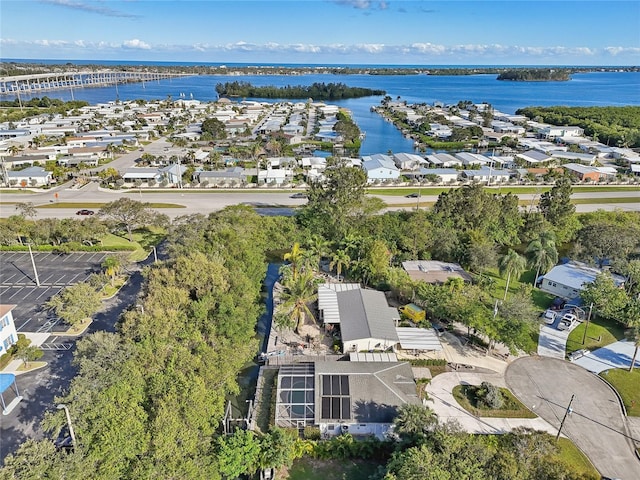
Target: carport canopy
column 418, row 339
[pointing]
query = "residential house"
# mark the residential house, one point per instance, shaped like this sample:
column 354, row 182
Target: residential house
column 469, row 159
column 380, row 167
column 533, row 157
column 408, row 161
column 445, row 175
column 584, row 158
column 363, row 316
column 444, row 160
column 30, row 177
column 583, row 172
column 488, row 175
column 357, row 397
column 433, row 271
column 217, row 177
column 569, row 279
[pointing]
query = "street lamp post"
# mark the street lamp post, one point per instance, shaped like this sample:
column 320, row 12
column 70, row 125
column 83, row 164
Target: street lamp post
column 62, row 406
column 33, row 263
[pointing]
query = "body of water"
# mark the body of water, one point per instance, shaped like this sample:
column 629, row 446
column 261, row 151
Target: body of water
column 584, row 89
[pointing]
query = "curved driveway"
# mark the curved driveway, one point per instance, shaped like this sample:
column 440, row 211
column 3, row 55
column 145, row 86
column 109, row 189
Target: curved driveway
column 597, row 425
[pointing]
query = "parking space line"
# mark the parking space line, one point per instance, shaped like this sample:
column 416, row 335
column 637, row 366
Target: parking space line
column 76, row 276
column 16, row 292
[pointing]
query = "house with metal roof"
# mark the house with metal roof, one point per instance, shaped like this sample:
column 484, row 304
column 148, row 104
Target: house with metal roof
column 380, row 167
column 365, row 319
column 408, row 161
column 30, row 176
column 569, row 279
column 433, row 271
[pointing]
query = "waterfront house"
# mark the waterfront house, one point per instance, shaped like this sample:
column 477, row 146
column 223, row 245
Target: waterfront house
column 380, row 167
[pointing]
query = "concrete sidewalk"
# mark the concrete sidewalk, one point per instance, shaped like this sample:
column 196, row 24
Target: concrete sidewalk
column 443, row 403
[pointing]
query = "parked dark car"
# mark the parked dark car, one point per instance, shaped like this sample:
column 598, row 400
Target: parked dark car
column 84, row 211
column 299, row 195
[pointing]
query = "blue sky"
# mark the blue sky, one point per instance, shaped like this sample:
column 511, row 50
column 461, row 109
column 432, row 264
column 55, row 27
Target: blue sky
column 508, row 32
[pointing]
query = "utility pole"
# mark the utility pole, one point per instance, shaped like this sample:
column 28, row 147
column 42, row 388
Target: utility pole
column 584, row 335
column 566, row 413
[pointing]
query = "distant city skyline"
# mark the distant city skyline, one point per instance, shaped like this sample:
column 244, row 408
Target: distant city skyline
column 499, row 32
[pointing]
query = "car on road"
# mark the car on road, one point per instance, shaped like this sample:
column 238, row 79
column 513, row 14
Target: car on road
column 299, row 195
column 84, row 211
column 413, row 195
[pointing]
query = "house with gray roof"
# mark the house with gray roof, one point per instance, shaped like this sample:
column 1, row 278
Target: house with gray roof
column 569, row 279
column 365, row 319
column 380, row 167
column 356, row 397
column 29, row 177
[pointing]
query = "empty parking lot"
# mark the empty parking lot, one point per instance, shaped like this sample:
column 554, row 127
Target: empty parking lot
column 19, row 282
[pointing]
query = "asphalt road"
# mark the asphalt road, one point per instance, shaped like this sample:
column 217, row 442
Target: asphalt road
column 214, row 200
column 596, row 424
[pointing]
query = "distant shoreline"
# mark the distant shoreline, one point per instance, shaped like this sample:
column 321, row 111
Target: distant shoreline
column 9, row 67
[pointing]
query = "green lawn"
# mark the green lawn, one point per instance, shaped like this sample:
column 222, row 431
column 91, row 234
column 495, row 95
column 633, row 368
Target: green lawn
column 628, row 386
column 599, row 334
column 314, row 469
column 16, row 190
column 512, row 408
column 578, row 461
column 503, row 189
column 144, row 239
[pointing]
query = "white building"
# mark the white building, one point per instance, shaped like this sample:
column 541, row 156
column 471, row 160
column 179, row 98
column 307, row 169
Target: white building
column 568, row 280
column 8, row 333
column 380, row 167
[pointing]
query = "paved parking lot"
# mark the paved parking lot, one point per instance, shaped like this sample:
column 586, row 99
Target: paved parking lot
column 55, row 271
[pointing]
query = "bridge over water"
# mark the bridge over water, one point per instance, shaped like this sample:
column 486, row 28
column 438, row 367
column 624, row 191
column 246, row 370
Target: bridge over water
column 43, row 82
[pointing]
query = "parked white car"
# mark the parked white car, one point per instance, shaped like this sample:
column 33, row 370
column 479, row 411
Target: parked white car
column 549, row 316
column 567, row 321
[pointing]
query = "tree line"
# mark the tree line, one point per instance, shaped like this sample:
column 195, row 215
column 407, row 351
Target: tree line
column 317, row 91
column 535, row 75
column 614, row 126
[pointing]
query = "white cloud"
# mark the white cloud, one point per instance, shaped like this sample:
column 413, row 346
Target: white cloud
column 136, row 44
column 365, row 52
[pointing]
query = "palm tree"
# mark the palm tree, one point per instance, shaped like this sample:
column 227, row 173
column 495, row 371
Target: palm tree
column 111, row 267
column 294, row 257
column 511, row 264
column 300, row 290
column 318, row 245
column 633, row 334
column 339, row 260
column 542, row 254
column 414, row 421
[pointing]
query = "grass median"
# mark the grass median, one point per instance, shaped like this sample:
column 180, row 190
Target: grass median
column 627, row 384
